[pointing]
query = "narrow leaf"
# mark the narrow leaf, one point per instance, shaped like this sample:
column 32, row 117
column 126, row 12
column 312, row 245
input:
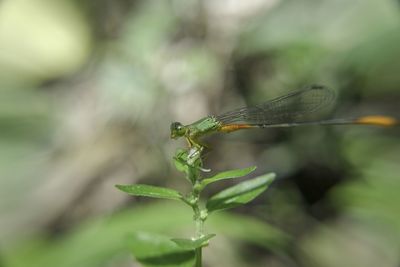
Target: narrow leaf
column 241, row 193
column 153, row 250
column 150, row 191
column 179, row 165
column 228, row 175
column 193, row 243
column 180, row 162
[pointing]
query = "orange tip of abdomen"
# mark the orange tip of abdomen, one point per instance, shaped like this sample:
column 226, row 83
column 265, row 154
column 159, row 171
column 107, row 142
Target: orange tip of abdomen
column 378, row 120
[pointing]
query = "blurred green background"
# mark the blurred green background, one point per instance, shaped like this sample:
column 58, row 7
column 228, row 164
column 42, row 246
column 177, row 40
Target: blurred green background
column 88, row 90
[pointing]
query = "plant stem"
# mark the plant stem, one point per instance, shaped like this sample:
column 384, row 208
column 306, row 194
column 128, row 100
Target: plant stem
column 199, row 226
column 199, row 233
column 198, row 256
column 194, row 176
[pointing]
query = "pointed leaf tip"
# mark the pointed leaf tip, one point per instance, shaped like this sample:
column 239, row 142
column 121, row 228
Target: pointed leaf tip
column 150, row 191
column 228, row 175
column 193, row 243
column 239, row 194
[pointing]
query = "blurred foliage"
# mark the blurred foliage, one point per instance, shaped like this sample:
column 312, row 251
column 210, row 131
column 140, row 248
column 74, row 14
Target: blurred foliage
column 88, row 90
column 103, row 241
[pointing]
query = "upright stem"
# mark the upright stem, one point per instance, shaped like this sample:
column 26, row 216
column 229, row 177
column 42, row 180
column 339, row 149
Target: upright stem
column 199, row 233
column 198, row 256
column 194, row 176
column 194, row 164
column 199, row 226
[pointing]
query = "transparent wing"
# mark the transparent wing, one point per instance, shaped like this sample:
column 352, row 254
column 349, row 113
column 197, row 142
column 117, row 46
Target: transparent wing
column 292, row 108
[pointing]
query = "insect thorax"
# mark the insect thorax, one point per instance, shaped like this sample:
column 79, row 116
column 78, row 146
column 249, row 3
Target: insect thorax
column 203, row 126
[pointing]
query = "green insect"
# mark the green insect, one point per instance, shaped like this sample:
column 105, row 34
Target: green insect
column 289, row 110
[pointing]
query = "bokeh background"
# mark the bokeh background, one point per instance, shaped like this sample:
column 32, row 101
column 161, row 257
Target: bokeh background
column 88, row 90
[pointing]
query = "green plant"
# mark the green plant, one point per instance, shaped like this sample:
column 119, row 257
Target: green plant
column 188, row 252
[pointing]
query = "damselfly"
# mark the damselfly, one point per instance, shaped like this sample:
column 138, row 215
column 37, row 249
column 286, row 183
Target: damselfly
column 293, row 109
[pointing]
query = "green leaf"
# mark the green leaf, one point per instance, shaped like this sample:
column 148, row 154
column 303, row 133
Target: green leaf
column 228, row 175
column 241, row 193
column 153, row 250
column 193, row 243
column 180, row 161
column 180, row 165
column 150, row 191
